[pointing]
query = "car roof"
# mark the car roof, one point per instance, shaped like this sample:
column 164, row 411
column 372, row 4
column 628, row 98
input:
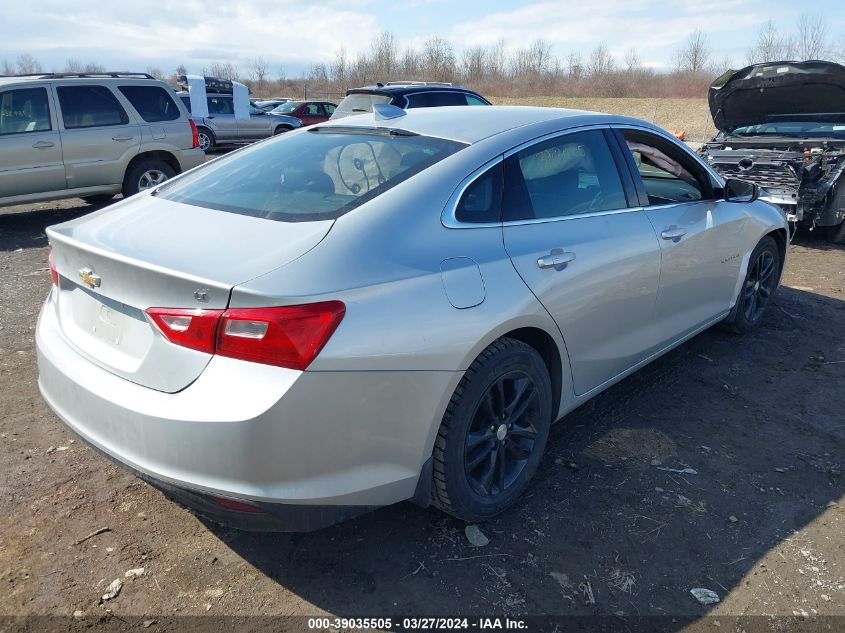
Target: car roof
column 470, row 124
column 409, row 88
column 104, row 76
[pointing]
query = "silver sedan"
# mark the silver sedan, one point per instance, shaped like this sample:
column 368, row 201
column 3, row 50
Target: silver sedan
column 392, row 306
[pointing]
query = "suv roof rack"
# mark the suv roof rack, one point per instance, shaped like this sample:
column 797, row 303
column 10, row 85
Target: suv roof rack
column 418, row 83
column 113, row 74
column 213, row 85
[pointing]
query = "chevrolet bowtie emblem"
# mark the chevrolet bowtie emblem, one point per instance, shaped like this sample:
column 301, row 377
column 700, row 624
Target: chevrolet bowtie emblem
column 90, row 278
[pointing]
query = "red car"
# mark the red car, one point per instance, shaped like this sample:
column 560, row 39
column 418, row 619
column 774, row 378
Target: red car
column 309, row 112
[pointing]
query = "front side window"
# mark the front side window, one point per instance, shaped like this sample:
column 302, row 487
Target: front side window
column 152, row 103
column 316, row 175
column 436, row 99
column 667, row 175
column 481, row 202
column 90, row 106
column 312, row 109
column 24, row 110
column 567, row 175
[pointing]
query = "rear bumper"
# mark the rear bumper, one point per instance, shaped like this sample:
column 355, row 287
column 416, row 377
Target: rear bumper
column 348, row 441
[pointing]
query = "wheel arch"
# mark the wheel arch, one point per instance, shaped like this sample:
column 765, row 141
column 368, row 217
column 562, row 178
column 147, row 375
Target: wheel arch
column 161, row 155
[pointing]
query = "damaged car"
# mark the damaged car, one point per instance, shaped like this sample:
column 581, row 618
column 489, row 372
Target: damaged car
column 781, row 125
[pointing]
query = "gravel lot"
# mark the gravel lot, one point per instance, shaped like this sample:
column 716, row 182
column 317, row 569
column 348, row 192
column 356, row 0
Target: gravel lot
column 604, row 530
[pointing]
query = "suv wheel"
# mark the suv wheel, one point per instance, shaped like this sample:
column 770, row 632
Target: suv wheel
column 494, row 432
column 146, row 174
column 206, row 139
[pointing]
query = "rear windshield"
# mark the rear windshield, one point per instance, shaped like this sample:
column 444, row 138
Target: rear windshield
column 358, row 103
column 308, row 176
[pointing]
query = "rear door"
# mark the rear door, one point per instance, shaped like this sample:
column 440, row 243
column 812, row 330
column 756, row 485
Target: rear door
column 162, row 118
column 701, row 235
column 221, row 117
column 591, row 259
column 259, row 125
column 99, row 137
column 30, row 146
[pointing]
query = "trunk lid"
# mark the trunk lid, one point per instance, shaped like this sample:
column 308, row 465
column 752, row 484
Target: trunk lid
column 148, row 252
column 757, row 93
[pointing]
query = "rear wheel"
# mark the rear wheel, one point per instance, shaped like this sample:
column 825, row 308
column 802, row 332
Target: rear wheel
column 282, row 129
column 206, row 139
column 757, row 289
column 146, row 174
column 494, row 432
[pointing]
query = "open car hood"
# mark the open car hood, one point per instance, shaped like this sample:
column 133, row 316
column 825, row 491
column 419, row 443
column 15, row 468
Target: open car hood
column 759, row 93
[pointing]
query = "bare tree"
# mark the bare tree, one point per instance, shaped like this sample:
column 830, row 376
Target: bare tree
column 411, row 64
column 694, row 55
column 259, row 70
column 438, row 59
column 574, row 65
column 224, row 70
column 811, row 36
column 771, row 45
column 156, row 72
column 474, row 63
column 338, row 70
column 632, row 61
column 601, row 61
column 73, row 66
column 27, row 64
column 496, row 61
column 384, row 56
column 8, row 68
column 94, row 68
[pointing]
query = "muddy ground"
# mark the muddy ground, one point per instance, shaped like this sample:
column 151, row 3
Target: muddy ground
column 604, row 530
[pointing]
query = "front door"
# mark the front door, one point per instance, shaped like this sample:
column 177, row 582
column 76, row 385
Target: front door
column 30, row 147
column 701, row 235
column 591, row 260
column 221, row 118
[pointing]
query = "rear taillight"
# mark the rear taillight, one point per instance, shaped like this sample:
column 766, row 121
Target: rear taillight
column 237, row 506
column 194, row 329
column 195, row 136
column 285, row 336
column 54, row 274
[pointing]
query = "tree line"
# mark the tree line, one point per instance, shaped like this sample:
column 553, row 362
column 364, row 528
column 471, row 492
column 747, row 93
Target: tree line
column 504, row 71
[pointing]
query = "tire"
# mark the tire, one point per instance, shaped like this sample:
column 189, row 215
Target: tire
column 459, row 470
column 100, row 198
column 146, row 174
column 206, row 139
column 836, row 234
column 757, row 288
column 282, row 129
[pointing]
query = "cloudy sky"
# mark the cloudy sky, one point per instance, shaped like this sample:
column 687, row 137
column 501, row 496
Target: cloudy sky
column 134, row 35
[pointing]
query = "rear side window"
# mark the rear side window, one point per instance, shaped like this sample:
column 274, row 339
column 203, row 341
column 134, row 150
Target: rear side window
column 329, row 108
column 317, row 175
column 475, row 101
column 24, row 110
column 436, row 99
column 482, row 200
column 566, row 175
column 187, row 102
column 221, row 105
column 152, row 103
column 90, row 106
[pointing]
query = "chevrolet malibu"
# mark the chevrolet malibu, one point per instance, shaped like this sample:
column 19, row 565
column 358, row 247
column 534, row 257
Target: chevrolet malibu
column 392, row 306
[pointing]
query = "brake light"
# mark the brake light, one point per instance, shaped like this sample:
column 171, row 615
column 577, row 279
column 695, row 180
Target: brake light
column 195, row 136
column 285, row 336
column 194, row 329
column 54, row 274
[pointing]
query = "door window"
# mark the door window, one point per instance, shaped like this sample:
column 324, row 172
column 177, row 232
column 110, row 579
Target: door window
column 221, row 105
column 24, row 110
column 329, row 108
column 475, row 101
column 90, row 106
column 667, row 174
column 563, row 176
column 152, row 103
column 312, row 109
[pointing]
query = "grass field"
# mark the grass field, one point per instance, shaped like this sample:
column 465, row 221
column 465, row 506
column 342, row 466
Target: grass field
column 690, row 115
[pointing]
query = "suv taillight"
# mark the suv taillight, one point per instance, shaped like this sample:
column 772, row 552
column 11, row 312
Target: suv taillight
column 54, row 274
column 285, row 336
column 195, row 141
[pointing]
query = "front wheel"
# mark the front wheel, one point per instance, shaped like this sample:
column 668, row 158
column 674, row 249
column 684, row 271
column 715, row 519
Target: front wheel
column 494, row 432
column 281, row 130
column 760, row 283
column 146, row 174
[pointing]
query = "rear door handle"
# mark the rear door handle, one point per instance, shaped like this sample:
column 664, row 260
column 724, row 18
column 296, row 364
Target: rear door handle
column 122, row 138
column 43, row 144
column 673, row 233
column 558, row 257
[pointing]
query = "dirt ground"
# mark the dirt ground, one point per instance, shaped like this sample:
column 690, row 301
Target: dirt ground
column 609, row 528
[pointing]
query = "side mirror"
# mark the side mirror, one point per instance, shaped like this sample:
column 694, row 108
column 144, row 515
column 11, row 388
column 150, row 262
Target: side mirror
column 741, row 190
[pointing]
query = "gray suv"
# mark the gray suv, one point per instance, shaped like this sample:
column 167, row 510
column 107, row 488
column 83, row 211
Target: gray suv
column 221, row 127
column 92, row 136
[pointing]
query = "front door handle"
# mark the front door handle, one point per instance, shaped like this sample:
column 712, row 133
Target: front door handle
column 43, row 144
column 673, row 233
column 122, row 138
column 558, row 257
